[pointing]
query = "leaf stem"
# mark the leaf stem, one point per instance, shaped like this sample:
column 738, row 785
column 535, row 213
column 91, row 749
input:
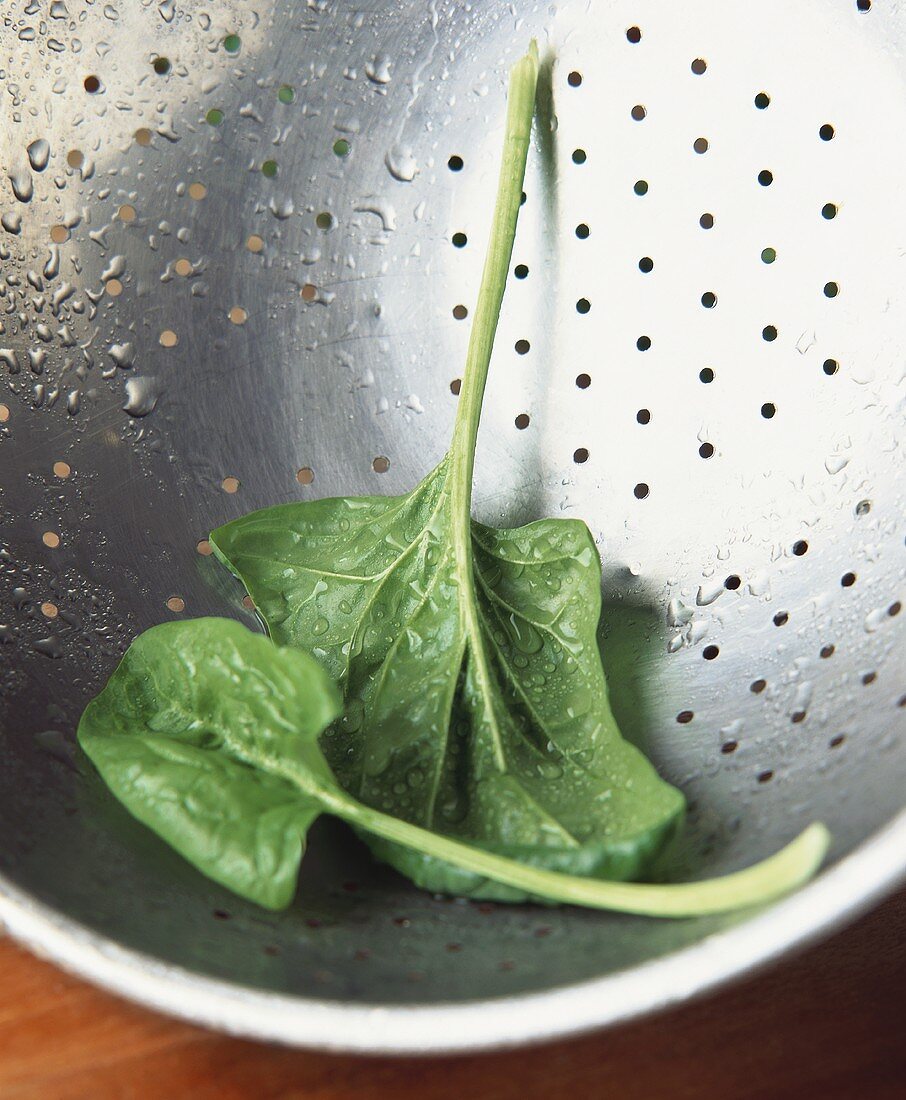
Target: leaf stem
column 756, row 885
column 520, row 110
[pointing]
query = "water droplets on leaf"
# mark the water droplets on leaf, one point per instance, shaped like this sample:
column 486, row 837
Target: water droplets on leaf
column 549, row 769
column 524, row 635
column 353, row 717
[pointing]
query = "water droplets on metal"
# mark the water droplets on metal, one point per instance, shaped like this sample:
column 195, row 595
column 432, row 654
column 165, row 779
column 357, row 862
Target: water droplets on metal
column 378, row 69
column 401, row 163
column 22, row 184
column 142, row 395
column 38, row 154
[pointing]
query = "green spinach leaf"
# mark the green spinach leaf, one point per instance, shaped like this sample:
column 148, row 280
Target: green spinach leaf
column 475, row 699
column 189, row 734
column 208, row 734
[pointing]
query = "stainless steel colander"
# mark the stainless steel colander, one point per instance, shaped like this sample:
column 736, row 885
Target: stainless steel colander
column 239, row 246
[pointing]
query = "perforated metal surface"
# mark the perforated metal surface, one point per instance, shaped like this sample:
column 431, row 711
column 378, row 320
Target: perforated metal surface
column 239, row 249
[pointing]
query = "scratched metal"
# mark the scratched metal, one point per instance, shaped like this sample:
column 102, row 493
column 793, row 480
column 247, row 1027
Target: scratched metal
column 232, row 240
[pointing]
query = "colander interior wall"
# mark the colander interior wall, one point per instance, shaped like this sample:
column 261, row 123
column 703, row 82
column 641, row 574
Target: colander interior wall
column 239, row 248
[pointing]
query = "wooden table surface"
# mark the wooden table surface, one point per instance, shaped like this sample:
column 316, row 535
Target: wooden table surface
column 826, row 1024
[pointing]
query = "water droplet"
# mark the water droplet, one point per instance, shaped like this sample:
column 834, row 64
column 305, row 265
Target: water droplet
column 11, row 222
column 38, row 154
column 875, row 619
column 708, row 593
column 805, row 341
column 22, row 184
column 58, row 10
column 51, row 646
column 59, row 745
column 835, row 463
column 378, row 69
column 453, row 810
column 167, row 9
column 142, row 395
column 281, row 208
column 401, row 164
column 523, row 635
column 353, row 716
column 114, row 269
column 803, row 696
column 10, row 360
column 383, row 209
column 52, row 266
column 678, row 614
column 123, row 354
column 320, row 626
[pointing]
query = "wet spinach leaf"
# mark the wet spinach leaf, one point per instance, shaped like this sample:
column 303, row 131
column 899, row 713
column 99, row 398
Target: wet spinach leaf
column 191, row 734
column 208, row 734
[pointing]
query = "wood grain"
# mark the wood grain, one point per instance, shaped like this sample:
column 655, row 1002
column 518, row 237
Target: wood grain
column 827, row 1024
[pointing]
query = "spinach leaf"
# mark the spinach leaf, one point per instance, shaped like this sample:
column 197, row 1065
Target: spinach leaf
column 209, row 734
column 189, row 734
column 475, row 698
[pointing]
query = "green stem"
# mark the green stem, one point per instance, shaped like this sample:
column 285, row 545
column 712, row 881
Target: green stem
column 520, row 110
column 756, row 885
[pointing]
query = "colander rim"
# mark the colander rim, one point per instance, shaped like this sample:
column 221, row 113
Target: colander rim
column 836, row 896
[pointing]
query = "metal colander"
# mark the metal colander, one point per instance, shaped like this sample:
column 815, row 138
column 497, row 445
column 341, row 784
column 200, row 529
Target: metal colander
column 240, row 245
